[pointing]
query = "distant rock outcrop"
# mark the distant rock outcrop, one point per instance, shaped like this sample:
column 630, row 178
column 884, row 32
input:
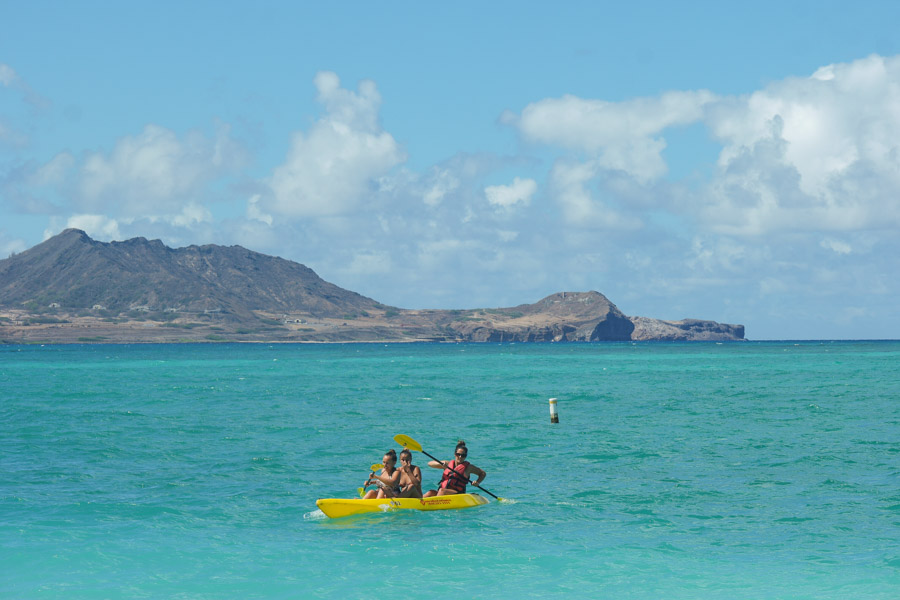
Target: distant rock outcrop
column 73, row 288
column 562, row 317
column 696, row 330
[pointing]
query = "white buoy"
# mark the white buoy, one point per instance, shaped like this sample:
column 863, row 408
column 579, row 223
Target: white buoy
column 554, row 418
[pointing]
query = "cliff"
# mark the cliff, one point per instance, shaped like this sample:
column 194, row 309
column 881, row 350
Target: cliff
column 646, row 328
column 562, row 317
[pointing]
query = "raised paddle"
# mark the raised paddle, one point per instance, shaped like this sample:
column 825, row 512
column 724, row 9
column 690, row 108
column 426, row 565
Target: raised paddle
column 373, row 468
column 411, row 444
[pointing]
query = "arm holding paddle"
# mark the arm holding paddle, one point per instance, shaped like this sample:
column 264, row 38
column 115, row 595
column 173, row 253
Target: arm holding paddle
column 389, row 480
column 408, row 442
column 473, row 470
column 470, row 470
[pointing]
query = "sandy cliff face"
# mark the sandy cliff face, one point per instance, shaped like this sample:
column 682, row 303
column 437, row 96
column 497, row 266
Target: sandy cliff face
column 562, row 317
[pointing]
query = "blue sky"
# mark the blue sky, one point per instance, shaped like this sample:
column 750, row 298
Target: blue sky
column 732, row 162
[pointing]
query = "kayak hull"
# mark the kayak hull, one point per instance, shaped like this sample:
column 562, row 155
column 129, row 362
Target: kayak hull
column 345, row 507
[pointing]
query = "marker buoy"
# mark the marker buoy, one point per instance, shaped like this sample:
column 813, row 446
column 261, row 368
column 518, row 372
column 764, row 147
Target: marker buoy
column 554, row 418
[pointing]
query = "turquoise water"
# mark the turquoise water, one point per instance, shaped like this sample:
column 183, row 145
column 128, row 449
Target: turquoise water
column 747, row 470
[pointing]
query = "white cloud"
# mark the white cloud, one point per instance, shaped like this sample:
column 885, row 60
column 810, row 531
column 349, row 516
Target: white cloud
column 837, row 246
column 817, row 153
column 331, row 169
column 519, row 191
column 721, row 254
column 156, row 173
column 191, row 214
column 570, row 187
column 254, row 213
column 840, row 115
column 820, row 153
column 444, row 181
column 97, row 226
column 54, row 172
column 619, row 135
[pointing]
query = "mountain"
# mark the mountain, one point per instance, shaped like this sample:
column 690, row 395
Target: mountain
column 74, row 271
column 73, row 288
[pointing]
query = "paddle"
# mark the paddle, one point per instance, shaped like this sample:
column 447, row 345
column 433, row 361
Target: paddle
column 373, row 468
column 411, row 444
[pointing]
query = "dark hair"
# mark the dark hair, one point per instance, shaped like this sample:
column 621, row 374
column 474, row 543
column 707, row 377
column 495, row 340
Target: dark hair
column 392, row 454
column 407, row 453
column 461, row 445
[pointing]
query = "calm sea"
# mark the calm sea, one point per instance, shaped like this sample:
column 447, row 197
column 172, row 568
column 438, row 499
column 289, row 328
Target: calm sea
column 740, row 470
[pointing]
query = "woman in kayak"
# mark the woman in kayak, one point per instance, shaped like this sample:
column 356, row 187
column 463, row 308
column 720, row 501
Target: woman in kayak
column 389, row 481
column 410, row 476
column 456, row 473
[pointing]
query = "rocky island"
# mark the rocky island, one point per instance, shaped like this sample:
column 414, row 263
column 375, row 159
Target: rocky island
column 72, row 289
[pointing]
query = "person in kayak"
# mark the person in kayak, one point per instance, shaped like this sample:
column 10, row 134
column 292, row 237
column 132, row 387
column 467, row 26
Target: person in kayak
column 388, row 481
column 456, row 473
column 410, row 476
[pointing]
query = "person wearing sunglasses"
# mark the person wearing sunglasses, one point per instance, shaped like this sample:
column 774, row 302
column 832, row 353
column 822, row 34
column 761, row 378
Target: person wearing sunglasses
column 456, row 473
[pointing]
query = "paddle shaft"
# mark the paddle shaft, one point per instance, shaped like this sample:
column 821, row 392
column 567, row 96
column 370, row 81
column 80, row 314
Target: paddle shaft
column 469, row 481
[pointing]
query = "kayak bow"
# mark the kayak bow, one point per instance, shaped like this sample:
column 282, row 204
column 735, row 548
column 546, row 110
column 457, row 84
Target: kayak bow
column 345, row 507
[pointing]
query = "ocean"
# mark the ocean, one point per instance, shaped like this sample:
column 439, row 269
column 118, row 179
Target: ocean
column 677, row 470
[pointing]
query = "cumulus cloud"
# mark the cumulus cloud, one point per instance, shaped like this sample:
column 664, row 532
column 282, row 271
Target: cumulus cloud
column 815, row 153
column 818, row 153
column 156, row 172
column 519, row 191
column 330, row 169
column 191, row 214
column 619, row 135
column 97, row 226
column 54, row 172
column 443, row 182
column 837, row 246
column 570, row 184
column 255, row 213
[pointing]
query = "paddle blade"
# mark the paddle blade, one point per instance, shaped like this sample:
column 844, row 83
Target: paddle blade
column 408, row 442
column 362, row 492
column 376, row 466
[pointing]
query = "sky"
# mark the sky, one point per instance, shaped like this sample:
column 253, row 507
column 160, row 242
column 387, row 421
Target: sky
column 738, row 162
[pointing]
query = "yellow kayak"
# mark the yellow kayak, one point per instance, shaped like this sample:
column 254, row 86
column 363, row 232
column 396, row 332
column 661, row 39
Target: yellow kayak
column 344, row 507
